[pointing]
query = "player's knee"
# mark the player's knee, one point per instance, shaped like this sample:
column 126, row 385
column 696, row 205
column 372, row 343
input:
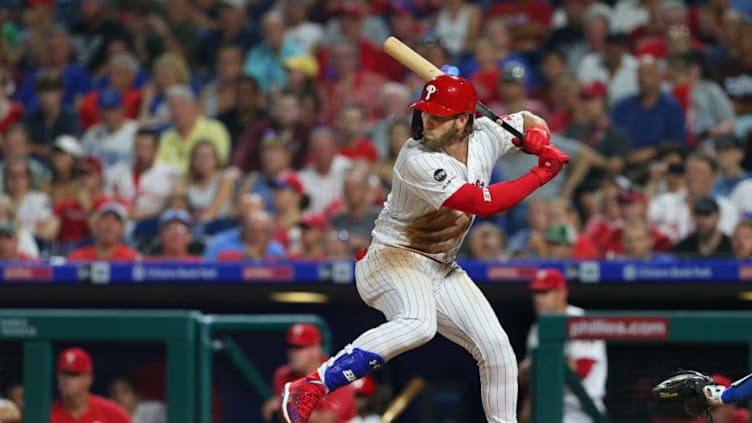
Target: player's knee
column 423, row 331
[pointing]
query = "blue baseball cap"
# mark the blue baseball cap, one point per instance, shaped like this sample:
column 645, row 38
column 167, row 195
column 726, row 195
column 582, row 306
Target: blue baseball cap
column 110, row 99
column 171, row 215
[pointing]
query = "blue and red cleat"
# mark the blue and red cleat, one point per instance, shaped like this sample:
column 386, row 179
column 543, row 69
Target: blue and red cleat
column 301, row 397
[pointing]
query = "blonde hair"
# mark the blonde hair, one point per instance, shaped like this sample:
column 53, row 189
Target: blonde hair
column 174, row 63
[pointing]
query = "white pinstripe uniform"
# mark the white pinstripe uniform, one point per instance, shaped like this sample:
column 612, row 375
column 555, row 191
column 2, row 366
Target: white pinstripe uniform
column 409, row 273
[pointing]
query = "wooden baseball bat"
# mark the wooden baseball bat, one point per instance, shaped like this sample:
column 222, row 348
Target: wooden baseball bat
column 427, row 70
column 401, row 401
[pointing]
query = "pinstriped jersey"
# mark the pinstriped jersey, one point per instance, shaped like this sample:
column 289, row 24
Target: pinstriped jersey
column 413, row 216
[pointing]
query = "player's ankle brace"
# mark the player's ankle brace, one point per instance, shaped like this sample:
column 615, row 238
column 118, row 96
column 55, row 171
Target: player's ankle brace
column 347, row 366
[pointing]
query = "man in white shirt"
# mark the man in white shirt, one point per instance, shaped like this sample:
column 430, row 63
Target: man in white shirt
column 324, row 179
column 615, row 67
column 144, row 183
column 111, row 139
column 587, row 358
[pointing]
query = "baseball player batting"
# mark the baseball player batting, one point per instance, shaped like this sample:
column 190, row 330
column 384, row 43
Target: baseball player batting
column 408, row 273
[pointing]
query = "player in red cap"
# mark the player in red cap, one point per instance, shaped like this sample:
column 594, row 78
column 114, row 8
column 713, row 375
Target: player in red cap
column 365, row 401
column 441, row 182
column 304, row 355
column 76, row 403
column 586, row 357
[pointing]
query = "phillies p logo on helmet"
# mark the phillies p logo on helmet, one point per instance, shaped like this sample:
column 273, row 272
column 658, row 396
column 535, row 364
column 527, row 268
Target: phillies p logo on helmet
column 430, row 90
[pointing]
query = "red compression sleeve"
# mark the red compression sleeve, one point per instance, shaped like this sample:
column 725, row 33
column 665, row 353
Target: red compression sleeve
column 496, row 198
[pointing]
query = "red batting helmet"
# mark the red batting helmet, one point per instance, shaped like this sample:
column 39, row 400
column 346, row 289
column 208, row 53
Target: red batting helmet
column 447, row 95
column 364, row 386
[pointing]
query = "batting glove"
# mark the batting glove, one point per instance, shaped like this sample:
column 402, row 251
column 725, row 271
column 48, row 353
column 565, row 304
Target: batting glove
column 536, row 138
column 550, row 162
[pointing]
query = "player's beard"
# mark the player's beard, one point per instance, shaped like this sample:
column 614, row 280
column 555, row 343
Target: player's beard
column 438, row 143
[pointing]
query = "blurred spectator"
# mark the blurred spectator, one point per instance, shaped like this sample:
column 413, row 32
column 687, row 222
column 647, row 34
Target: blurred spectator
column 604, row 214
column 10, row 249
column 736, row 78
column 208, row 187
column 264, row 61
column 33, row 208
column 143, row 184
column 707, row 240
column 121, row 72
column 458, row 24
column 220, row 94
column 560, row 239
column 247, row 109
column 394, row 101
column 15, row 144
column 358, row 213
column 112, row 139
column 529, row 21
column 563, row 221
column 175, row 239
column 10, row 111
column 123, row 390
column 253, row 240
column 275, row 161
column 108, row 230
column 529, row 241
column 564, row 99
column 630, row 14
column 300, row 29
column 633, row 206
column 671, row 212
column 168, row 70
column 487, row 242
column 595, row 31
column 74, row 378
column 405, row 27
column 594, row 129
column 302, row 79
column 27, row 245
column 568, row 39
column 179, row 26
column 729, row 154
column 662, row 17
column 511, row 87
column 397, row 134
column 613, row 66
column 741, row 242
column 552, row 67
column 348, row 83
column 51, row 119
column 284, row 121
column 639, row 242
column 336, row 247
column 488, row 59
column 304, row 355
column 666, row 171
column 313, row 229
column 352, row 22
column 324, row 178
column 289, row 201
column 233, row 28
column 56, row 59
column 351, row 139
column 94, row 33
column 650, row 116
column 707, row 108
column 191, row 126
column 31, row 34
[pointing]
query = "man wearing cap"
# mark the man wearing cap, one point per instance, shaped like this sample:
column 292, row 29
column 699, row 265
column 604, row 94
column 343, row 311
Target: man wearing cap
column 175, row 236
column 729, row 151
column 512, row 85
column 587, row 358
column 594, row 129
column 112, row 138
column 312, row 236
column 707, row 240
column 289, row 200
column 76, row 403
column 109, row 228
column 304, row 354
column 366, row 401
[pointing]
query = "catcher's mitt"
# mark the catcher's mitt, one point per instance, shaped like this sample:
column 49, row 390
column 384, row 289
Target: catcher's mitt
column 686, row 385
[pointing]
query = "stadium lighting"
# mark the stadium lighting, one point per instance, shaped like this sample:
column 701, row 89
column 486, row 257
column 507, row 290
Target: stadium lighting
column 299, row 297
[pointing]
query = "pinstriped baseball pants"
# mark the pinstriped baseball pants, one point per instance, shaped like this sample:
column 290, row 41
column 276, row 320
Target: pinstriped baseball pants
column 420, row 297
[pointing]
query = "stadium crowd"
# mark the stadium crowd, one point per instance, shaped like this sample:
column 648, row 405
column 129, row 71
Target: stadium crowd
column 266, row 130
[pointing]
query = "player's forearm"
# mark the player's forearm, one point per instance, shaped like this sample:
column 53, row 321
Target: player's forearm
column 484, row 202
column 530, row 119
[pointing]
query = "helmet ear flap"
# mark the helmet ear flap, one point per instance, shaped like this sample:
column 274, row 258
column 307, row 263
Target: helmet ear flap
column 416, row 125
